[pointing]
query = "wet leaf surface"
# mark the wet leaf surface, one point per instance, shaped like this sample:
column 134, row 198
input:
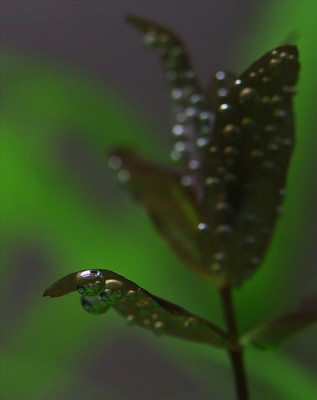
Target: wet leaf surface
column 234, row 157
column 102, row 289
column 272, row 333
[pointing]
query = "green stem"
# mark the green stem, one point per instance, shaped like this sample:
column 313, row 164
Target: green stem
column 236, row 356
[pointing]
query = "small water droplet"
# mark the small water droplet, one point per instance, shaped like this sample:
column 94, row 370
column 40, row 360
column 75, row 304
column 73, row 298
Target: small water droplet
column 130, row 319
column 212, row 181
column 202, row 226
column 186, row 180
column 219, row 256
column 237, row 82
column 196, row 99
column 115, row 162
column 114, row 291
column 230, row 151
column 222, row 92
column 178, row 130
column 181, row 117
column 191, row 112
column 269, row 128
column 255, row 260
column 213, row 149
column 224, row 107
column 190, row 322
column 268, row 166
column 222, row 206
column 274, row 62
column 206, row 116
column 180, row 146
column 280, row 114
column 230, row 130
column 193, row 164
column 220, row 75
column 205, row 130
column 94, row 305
column 247, row 123
column 150, row 39
column 177, row 94
column 158, row 325
column 202, row 142
column 131, row 294
column 247, row 95
column 124, row 175
column 216, row 267
column 90, row 282
column 250, row 239
column 224, row 229
column 273, row 146
column 283, row 191
column 256, row 154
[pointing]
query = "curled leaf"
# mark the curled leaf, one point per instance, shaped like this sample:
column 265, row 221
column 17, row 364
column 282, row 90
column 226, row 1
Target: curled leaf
column 271, row 333
column 138, row 306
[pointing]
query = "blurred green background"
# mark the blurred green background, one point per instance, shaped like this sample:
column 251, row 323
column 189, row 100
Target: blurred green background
column 76, row 81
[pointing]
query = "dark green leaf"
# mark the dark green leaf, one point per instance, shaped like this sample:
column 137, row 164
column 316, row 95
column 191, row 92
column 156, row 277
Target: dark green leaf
column 193, row 120
column 272, row 333
column 170, row 204
column 102, row 289
column 247, row 161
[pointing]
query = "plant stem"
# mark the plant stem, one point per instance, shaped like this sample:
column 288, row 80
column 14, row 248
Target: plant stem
column 236, row 356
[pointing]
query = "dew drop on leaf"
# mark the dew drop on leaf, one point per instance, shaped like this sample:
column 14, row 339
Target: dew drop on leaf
column 90, row 282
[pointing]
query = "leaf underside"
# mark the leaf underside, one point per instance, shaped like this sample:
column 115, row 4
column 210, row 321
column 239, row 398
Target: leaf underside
column 233, row 143
column 272, row 333
column 141, row 308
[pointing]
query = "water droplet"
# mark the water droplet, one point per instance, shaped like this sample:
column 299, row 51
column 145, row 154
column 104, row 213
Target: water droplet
column 193, row 164
column 177, row 94
column 237, row 82
column 114, row 291
column 205, row 130
column 150, row 39
column 190, row 322
column 256, row 154
column 90, row 282
column 224, row 229
column 94, row 305
column 280, row 114
column 155, row 316
column 222, row 206
column 175, row 155
column 196, row 99
column 273, row 146
column 274, row 62
column 268, row 166
column 247, row 123
column 219, row 256
column 216, row 267
column 180, row 146
column 224, row 107
column 202, row 226
column 124, row 175
column 130, row 319
column 206, row 116
column 269, row 128
column 250, row 240
column 186, row 180
column 230, row 151
column 222, row 92
column 220, row 75
column 191, row 112
column 212, row 181
column 158, row 325
column 202, row 142
column 283, row 191
column 115, row 162
column 213, row 149
column 255, row 260
column 230, row 130
column 131, row 294
column 247, row 95
column 253, row 75
column 276, row 99
column 178, row 130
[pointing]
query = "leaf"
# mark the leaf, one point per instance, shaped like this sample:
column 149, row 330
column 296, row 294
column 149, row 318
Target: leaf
column 237, row 166
column 170, row 204
column 102, row 289
column 193, row 120
column 272, row 333
column 246, row 164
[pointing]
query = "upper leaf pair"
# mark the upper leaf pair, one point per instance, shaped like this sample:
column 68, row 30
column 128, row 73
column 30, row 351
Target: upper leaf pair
column 233, row 143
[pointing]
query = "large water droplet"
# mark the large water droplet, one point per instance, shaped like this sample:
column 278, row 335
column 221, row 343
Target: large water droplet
column 90, row 282
column 94, row 305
